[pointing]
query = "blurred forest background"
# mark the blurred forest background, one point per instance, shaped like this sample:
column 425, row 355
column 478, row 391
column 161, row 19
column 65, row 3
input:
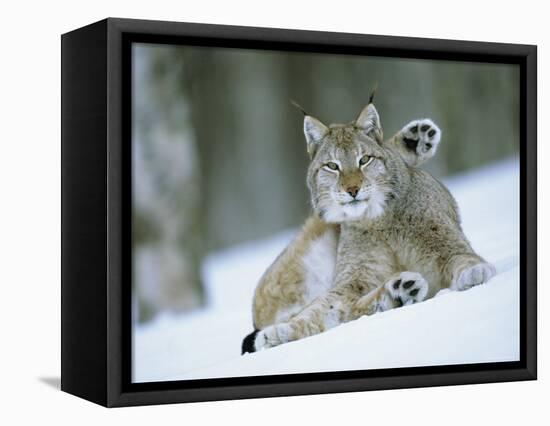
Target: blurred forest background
column 219, row 156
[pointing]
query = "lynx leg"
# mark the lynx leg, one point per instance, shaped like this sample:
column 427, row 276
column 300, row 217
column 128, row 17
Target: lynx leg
column 417, row 141
column 402, row 289
column 363, row 258
column 466, row 270
column 300, row 274
column 468, row 276
column 324, row 313
column 378, row 300
column 273, row 335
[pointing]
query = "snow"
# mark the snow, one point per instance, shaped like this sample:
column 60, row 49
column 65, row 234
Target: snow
column 474, row 326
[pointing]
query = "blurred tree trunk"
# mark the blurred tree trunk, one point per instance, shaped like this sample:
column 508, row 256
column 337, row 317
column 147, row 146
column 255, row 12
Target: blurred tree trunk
column 242, row 117
column 166, row 222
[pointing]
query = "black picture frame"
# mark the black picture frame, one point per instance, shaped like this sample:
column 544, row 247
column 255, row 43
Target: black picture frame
column 96, row 203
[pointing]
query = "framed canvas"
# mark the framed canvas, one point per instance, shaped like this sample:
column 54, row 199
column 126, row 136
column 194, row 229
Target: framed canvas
column 224, row 237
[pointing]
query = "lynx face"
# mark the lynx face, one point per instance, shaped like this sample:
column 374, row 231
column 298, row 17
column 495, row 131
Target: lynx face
column 350, row 176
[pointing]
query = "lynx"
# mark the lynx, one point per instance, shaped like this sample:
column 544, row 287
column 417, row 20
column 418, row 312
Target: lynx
column 384, row 234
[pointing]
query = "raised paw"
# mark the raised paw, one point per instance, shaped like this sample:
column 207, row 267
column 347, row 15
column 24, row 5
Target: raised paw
column 422, row 137
column 271, row 336
column 407, row 288
column 473, row 275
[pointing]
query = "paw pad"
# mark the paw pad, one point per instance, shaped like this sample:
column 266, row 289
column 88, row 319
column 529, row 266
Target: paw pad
column 408, row 284
column 421, row 136
column 408, row 288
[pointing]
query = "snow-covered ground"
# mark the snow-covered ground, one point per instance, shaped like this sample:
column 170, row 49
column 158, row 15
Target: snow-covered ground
column 479, row 325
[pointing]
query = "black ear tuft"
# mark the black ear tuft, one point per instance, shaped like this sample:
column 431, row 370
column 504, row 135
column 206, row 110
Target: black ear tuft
column 297, row 105
column 248, row 343
column 371, row 97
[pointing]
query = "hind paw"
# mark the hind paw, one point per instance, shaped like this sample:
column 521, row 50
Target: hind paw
column 407, row 288
column 473, row 275
column 421, row 137
column 273, row 335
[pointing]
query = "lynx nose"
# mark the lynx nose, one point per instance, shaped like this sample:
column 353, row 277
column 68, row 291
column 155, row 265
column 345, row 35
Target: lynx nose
column 353, row 190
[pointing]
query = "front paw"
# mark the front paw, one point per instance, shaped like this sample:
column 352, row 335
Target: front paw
column 421, row 137
column 273, row 335
column 473, row 275
column 407, row 288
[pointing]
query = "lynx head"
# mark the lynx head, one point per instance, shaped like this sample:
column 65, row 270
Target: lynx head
column 351, row 175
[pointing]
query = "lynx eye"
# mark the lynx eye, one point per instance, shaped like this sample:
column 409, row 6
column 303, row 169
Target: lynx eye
column 332, row 166
column 365, row 159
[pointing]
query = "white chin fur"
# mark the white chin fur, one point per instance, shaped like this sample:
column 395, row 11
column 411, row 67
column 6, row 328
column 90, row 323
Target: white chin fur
column 342, row 213
column 355, row 210
column 370, row 209
column 376, row 205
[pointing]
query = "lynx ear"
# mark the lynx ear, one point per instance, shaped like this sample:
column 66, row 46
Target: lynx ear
column 314, row 131
column 369, row 121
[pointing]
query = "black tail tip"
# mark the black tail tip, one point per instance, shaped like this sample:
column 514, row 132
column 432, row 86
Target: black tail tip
column 248, row 343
